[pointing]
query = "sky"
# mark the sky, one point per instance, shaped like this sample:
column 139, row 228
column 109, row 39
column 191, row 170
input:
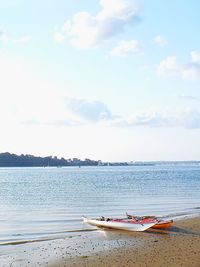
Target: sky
column 111, row 80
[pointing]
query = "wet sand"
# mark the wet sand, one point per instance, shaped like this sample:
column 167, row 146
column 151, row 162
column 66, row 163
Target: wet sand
column 178, row 246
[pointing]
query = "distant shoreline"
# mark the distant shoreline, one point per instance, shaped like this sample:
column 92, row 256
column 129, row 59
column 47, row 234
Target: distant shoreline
column 12, row 160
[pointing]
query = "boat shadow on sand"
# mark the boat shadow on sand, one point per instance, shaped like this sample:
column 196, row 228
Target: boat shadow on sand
column 173, row 230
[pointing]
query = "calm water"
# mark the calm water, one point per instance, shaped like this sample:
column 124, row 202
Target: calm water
column 37, row 202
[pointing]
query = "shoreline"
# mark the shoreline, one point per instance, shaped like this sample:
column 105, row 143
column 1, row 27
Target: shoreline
column 178, row 246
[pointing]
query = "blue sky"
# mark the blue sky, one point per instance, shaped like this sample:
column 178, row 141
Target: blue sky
column 105, row 79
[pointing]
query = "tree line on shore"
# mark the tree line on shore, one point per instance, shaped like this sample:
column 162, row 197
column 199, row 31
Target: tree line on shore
column 12, row 160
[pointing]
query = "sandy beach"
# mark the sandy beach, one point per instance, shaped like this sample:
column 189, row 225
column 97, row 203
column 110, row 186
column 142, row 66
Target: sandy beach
column 178, row 246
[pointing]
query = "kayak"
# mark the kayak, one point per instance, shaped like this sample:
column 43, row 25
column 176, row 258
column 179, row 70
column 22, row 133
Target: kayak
column 121, row 224
column 162, row 223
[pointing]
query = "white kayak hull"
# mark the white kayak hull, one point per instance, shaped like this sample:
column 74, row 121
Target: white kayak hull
column 126, row 225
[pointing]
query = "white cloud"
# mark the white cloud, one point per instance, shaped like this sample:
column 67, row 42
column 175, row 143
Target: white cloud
column 195, row 56
column 29, row 101
column 68, row 113
column 117, row 9
column 168, row 66
column 186, row 117
column 3, row 37
column 126, row 48
column 190, row 70
column 23, row 39
column 23, row 98
column 85, row 30
column 153, row 119
column 150, row 119
column 94, row 111
column 160, row 41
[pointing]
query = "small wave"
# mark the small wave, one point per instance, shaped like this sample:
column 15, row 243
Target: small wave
column 20, row 242
column 186, row 216
column 182, row 216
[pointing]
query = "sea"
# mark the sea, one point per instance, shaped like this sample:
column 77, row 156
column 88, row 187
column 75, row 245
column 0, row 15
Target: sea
column 40, row 203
